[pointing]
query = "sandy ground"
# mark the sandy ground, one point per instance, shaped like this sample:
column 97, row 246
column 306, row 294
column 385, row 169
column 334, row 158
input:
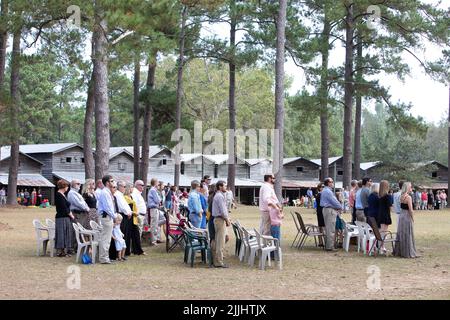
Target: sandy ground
column 307, row 274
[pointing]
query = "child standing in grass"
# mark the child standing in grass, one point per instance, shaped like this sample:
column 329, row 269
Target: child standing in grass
column 276, row 215
column 117, row 235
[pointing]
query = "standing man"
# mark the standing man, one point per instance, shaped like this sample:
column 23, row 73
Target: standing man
column 362, row 200
column 221, row 222
column 136, row 194
column 98, row 188
column 78, row 206
column 153, row 203
column 267, row 198
column 107, row 214
column 205, row 185
column 230, row 199
column 331, row 207
column 396, row 202
column 310, row 195
column 195, row 204
column 2, row 196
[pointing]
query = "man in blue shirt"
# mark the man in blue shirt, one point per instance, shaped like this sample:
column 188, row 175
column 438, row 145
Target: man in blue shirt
column 107, row 212
column 153, row 203
column 331, row 207
column 310, row 195
column 195, row 205
column 362, row 200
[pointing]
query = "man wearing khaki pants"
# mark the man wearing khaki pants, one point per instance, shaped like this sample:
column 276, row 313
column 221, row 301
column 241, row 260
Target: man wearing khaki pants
column 331, row 207
column 221, row 222
column 107, row 213
column 267, row 198
column 140, row 203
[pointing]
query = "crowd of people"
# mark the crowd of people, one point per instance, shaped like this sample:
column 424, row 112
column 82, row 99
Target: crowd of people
column 367, row 199
column 427, row 200
column 28, row 197
column 124, row 215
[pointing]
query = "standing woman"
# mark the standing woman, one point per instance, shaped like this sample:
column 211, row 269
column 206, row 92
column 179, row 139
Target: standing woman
column 90, row 198
column 135, row 237
column 430, row 200
column 39, row 198
column 405, row 245
column 384, row 213
column 319, row 209
column 33, row 197
column 63, row 221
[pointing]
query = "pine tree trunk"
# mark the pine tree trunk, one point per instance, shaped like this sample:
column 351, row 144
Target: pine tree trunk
column 232, row 102
column 348, row 96
column 136, row 116
column 14, row 112
column 148, row 117
column 102, row 128
column 179, row 101
column 3, row 42
column 358, row 111
column 89, row 164
column 279, row 97
column 448, row 148
column 323, row 96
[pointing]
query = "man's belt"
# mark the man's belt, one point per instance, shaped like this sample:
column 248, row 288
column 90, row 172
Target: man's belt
column 79, row 211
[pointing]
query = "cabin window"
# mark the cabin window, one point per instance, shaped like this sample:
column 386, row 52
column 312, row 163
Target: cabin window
column 164, row 162
column 340, row 173
column 182, row 167
column 122, row 166
column 299, row 169
column 82, row 160
column 69, row 159
column 434, row 174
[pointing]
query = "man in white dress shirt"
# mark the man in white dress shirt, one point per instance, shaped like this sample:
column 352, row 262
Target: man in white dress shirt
column 267, row 198
column 136, row 194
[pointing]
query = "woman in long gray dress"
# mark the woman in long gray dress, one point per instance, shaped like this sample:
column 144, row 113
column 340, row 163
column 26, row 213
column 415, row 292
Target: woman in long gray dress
column 405, row 245
column 63, row 221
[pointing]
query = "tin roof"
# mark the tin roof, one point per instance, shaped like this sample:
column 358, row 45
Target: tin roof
column 47, row 148
column 28, row 180
column 5, row 153
column 330, row 160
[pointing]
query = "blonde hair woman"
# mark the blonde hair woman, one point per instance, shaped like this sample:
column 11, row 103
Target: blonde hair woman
column 384, row 214
column 405, row 245
column 88, row 193
column 135, row 237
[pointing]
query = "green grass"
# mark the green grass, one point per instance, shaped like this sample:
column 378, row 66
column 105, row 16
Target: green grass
column 307, row 274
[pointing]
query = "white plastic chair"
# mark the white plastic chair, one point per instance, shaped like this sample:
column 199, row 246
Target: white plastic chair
column 365, row 235
column 51, row 235
column 244, row 251
column 81, row 234
column 350, row 231
column 252, row 247
column 40, row 238
column 267, row 244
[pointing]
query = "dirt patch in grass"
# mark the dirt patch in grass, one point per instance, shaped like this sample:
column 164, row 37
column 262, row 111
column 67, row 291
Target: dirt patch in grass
column 4, row 227
column 307, row 274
